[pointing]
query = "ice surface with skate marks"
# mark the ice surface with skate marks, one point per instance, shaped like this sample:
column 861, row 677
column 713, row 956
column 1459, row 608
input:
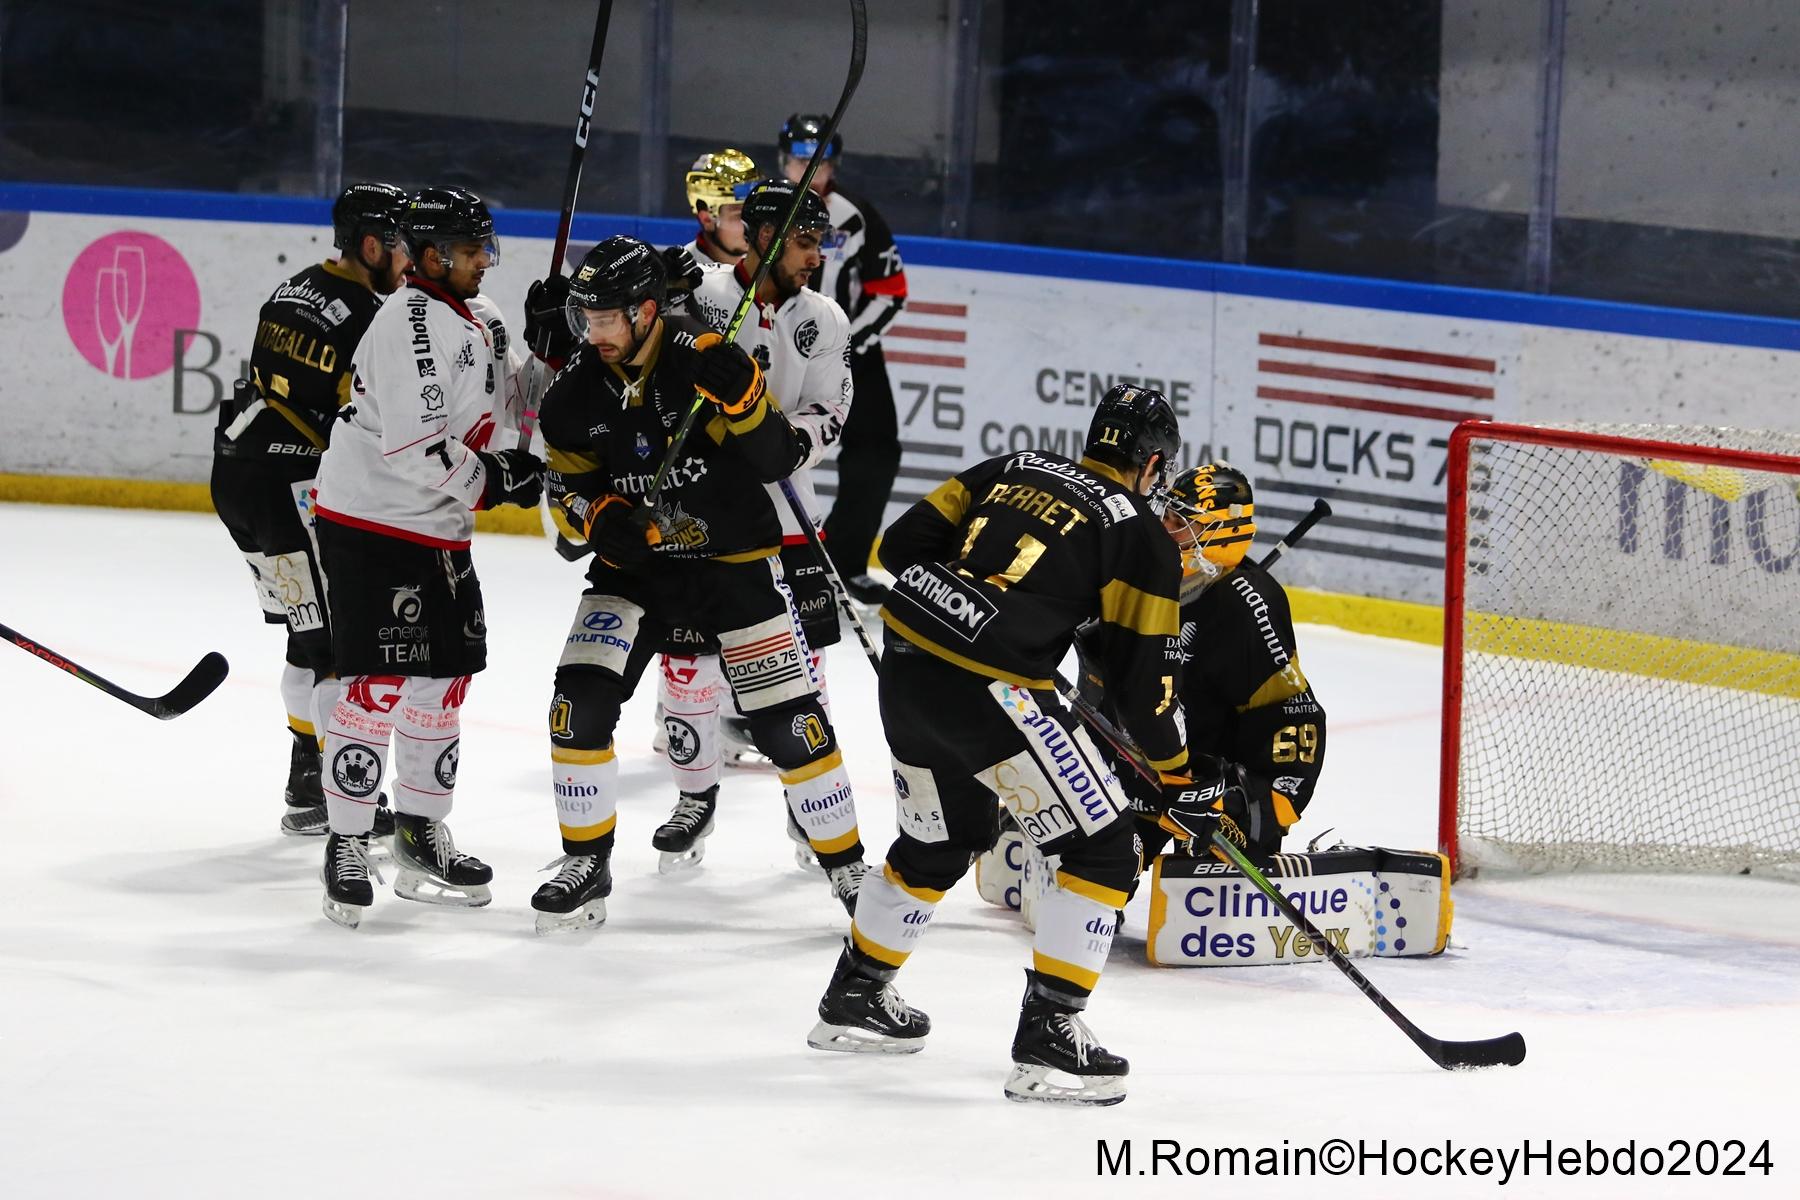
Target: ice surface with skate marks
column 177, row 1018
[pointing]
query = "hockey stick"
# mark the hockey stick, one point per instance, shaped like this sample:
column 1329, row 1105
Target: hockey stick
column 831, row 573
column 1319, row 511
column 859, row 47
column 207, row 675
column 590, row 88
column 1506, row 1050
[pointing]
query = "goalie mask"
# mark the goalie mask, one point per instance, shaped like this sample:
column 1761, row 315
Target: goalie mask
column 1209, row 512
column 715, row 178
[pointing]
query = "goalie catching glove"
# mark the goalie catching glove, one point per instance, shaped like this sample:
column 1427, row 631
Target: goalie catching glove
column 726, row 376
column 1192, row 810
column 620, row 532
column 513, row 477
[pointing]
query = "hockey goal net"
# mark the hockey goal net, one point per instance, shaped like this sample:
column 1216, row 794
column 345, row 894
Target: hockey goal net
column 1621, row 649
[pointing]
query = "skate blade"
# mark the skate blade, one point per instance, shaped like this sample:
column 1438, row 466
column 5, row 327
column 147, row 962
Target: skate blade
column 746, row 760
column 296, row 823
column 850, row 1039
column 415, row 885
column 347, row 915
column 592, row 915
column 1030, row 1084
column 674, row 862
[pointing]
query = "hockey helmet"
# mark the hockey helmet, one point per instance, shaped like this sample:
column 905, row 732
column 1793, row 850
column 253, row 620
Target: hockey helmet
column 1130, row 426
column 714, row 179
column 1210, row 512
column 444, row 216
column 367, row 208
column 620, row 273
column 800, row 136
column 767, row 203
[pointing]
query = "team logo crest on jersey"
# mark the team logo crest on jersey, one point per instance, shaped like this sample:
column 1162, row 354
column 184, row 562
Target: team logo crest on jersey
column 684, row 741
column 407, row 605
column 680, row 530
column 335, row 312
column 809, row 729
column 465, row 358
column 806, row 337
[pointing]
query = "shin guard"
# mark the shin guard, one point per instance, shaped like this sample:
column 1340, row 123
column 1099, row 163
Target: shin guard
column 356, row 750
column 891, row 917
column 428, row 746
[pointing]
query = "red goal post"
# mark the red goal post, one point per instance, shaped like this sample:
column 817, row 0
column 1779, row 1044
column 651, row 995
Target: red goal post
column 1621, row 684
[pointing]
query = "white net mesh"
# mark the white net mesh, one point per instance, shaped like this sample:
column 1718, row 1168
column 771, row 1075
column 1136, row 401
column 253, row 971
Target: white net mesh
column 1631, row 657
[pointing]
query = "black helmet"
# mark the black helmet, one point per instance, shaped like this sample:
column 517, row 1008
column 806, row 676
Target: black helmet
column 800, row 136
column 364, row 208
column 621, row 272
column 1130, row 425
column 443, row 216
column 767, row 203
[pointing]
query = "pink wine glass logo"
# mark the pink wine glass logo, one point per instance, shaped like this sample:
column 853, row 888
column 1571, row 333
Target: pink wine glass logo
column 123, row 300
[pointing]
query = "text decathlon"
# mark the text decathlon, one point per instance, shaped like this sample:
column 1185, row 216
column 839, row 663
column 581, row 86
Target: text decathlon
column 946, row 597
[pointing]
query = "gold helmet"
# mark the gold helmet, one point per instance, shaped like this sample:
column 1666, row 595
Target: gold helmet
column 1209, row 511
column 715, row 176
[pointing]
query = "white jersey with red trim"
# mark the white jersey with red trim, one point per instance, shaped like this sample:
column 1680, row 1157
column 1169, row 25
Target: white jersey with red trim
column 803, row 347
column 427, row 391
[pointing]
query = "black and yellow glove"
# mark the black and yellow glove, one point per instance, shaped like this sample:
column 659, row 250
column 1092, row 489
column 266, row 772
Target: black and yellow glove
column 726, row 376
column 619, row 532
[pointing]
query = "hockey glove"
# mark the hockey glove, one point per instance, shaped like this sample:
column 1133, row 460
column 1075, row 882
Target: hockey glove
column 726, row 376
column 513, row 477
column 620, row 532
column 1194, row 810
column 546, row 328
column 683, row 272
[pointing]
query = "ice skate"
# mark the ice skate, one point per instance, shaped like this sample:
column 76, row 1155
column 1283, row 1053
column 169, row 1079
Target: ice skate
column 859, row 1015
column 867, row 593
column 845, row 882
column 431, row 870
column 804, row 858
column 682, row 838
column 305, row 816
column 346, row 878
column 575, row 897
column 1056, row 1059
column 737, row 748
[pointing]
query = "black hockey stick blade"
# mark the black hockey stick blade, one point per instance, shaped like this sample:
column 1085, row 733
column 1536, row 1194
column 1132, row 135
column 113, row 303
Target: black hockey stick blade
column 1319, row 511
column 1508, row 1050
column 199, row 683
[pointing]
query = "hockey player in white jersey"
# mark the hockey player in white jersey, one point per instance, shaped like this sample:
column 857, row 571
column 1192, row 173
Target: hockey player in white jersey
column 800, row 338
column 398, row 489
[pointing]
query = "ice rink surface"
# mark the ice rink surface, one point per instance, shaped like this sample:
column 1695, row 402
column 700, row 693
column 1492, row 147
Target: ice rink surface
column 178, row 1018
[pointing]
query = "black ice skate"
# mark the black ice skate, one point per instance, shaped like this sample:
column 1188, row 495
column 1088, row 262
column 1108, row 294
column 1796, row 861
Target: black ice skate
column 859, row 1015
column 346, row 876
column 682, row 838
column 575, row 898
column 313, row 822
column 845, row 882
column 867, row 592
column 1056, row 1059
column 305, row 816
column 804, row 858
column 430, row 868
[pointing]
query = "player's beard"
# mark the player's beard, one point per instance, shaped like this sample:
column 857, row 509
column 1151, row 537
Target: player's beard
column 386, row 273
column 787, row 284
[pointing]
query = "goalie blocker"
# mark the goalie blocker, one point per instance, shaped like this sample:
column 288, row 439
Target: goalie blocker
column 1370, row 901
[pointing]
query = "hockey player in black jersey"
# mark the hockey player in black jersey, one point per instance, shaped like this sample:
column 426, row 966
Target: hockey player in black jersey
column 995, row 570
column 1255, row 730
column 704, row 558
column 864, row 274
column 266, row 451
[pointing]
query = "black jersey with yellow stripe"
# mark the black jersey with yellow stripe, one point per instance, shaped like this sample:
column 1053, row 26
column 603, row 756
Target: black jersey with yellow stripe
column 1247, row 699
column 306, row 335
column 998, row 566
column 607, row 427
